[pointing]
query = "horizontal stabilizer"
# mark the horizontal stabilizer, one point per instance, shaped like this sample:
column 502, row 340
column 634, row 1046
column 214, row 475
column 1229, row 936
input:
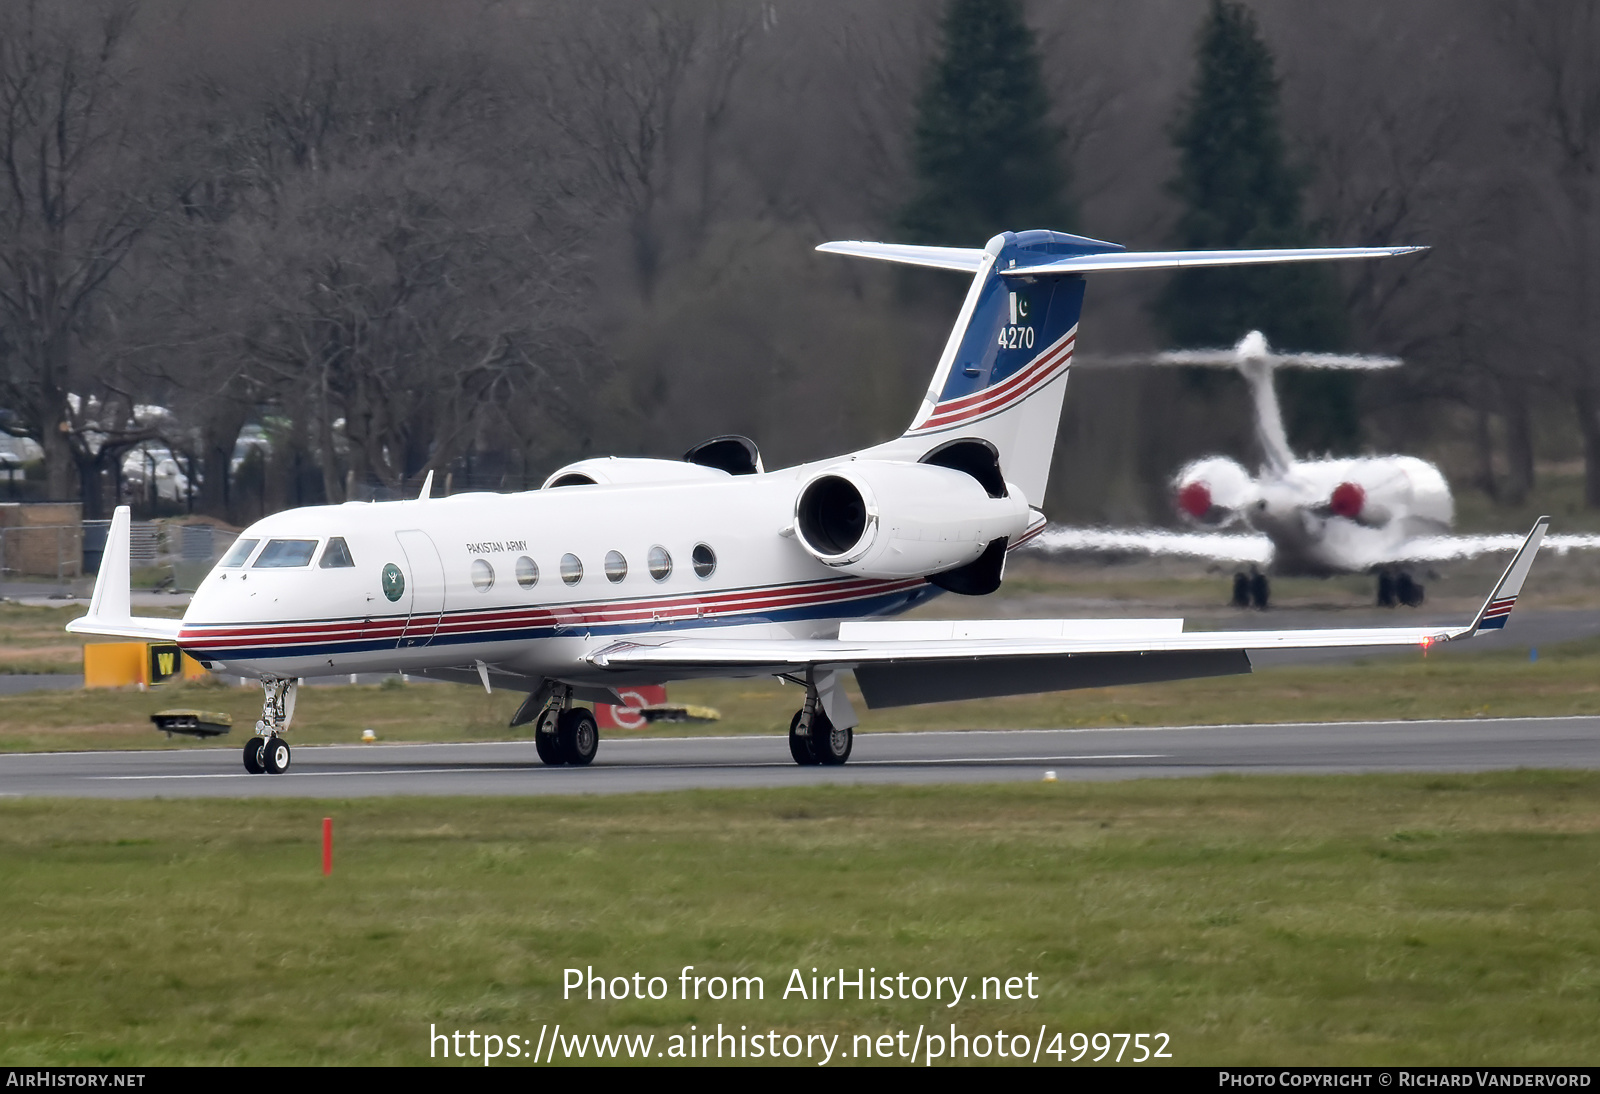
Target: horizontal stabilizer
column 1182, row 260
column 940, row 258
column 110, row 608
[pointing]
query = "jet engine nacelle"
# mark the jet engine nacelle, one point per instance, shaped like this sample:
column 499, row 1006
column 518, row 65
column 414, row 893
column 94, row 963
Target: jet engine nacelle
column 1213, row 491
column 885, row 519
column 630, row 471
column 1374, row 491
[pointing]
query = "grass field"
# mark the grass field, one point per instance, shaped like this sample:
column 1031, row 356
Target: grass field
column 1565, row 680
column 1351, row 920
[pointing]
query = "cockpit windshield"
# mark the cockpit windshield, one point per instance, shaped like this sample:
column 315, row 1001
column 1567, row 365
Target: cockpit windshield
column 240, row 551
column 336, row 555
column 282, row 554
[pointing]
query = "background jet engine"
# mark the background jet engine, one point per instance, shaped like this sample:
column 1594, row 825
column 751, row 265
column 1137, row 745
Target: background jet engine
column 1213, row 491
column 884, row 519
column 1374, row 490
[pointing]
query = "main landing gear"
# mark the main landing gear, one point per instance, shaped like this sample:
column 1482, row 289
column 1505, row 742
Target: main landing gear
column 1398, row 588
column 564, row 734
column 1251, row 590
column 814, row 738
column 267, row 752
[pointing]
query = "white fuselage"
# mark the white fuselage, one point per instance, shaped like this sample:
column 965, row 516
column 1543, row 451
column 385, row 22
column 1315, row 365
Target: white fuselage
column 1403, row 498
column 459, row 599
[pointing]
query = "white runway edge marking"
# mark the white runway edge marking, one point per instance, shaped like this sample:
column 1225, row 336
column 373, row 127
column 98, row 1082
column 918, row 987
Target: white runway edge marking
column 613, row 741
column 644, row 767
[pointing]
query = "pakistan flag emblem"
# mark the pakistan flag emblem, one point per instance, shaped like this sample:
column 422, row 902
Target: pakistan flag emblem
column 394, row 582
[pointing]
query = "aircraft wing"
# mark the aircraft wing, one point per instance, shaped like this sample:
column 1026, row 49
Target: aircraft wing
column 1451, row 548
column 1222, row 546
column 905, row 662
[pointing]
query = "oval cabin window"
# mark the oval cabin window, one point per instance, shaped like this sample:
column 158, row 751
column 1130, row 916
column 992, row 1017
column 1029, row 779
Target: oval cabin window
column 660, row 563
column 482, row 575
column 616, row 566
column 705, row 561
column 527, row 572
column 571, row 569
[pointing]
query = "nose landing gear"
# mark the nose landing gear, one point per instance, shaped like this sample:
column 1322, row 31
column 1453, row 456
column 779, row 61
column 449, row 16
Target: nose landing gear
column 267, row 752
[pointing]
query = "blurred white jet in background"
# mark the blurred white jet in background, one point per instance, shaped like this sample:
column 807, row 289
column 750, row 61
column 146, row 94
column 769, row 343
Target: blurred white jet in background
column 1383, row 515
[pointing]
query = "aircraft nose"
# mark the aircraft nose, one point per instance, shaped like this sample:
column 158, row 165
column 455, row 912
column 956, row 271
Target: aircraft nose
column 1195, row 499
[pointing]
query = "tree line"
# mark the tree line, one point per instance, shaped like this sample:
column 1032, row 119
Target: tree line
column 485, row 238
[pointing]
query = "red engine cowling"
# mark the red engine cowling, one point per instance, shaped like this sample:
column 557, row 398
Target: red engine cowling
column 1213, row 491
column 886, row 519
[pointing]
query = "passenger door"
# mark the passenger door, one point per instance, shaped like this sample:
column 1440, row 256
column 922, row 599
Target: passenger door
column 426, row 578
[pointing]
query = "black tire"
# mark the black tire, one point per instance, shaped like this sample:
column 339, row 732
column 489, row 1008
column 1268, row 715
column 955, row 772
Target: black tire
column 549, row 748
column 579, row 736
column 831, row 746
column 1385, row 590
column 1260, row 591
column 800, row 747
column 1407, row 591
column 275, row 755
column 252, row 756
column 1241, row 591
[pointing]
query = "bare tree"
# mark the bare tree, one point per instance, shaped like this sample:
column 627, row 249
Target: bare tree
column 71, row 211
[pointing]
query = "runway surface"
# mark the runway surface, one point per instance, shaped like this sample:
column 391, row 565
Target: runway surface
column 625, row 766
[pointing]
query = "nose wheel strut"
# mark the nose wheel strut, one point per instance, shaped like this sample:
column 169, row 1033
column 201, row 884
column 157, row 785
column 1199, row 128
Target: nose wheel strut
column 267, row 752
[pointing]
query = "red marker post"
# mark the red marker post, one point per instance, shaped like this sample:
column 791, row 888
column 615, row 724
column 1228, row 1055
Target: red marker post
column 327, row 846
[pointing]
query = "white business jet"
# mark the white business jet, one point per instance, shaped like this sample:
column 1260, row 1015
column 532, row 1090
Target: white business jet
column 1315, row 518
column 620, row 572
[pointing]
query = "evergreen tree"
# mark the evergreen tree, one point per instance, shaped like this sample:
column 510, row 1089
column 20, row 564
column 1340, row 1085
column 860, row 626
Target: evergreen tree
column 1239, row 189
column 986, row 157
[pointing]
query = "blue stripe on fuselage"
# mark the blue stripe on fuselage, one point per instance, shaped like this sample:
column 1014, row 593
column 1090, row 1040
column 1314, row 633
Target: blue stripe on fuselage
column 878, row 605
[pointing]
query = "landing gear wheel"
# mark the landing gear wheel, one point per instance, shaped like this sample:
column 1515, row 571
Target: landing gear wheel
column 548, row 747
column 252, row 755
column 800, row 747
column 1260, row 591
column 831, row 745
column 275, row 755
column 1385, row 590
column 579, row 736
column 1241, row 591
column 1407, row 591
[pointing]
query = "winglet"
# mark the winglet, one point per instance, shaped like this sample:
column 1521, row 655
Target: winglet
column 1492, row 616
column 427, row 487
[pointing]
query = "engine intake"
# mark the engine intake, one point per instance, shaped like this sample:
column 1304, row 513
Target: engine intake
column 885, row 519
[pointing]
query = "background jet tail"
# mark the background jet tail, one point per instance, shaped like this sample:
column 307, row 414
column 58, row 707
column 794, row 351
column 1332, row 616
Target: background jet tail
column 1256, row 361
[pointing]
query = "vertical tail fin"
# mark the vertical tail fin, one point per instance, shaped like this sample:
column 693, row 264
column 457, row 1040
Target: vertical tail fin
column 1003, row 372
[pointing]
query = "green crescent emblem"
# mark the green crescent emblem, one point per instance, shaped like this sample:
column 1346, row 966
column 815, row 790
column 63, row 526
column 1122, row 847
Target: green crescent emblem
column 1022, row 306
column 394, row 582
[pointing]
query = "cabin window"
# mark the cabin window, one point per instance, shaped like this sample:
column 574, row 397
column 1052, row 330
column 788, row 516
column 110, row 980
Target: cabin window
column 705, row 560
column 336, row 555
column 660, row 563
column 527, row 572
column 482, row 575
column 571, row 569
column 285, row 554
column 616, row 566
column 239, row 552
